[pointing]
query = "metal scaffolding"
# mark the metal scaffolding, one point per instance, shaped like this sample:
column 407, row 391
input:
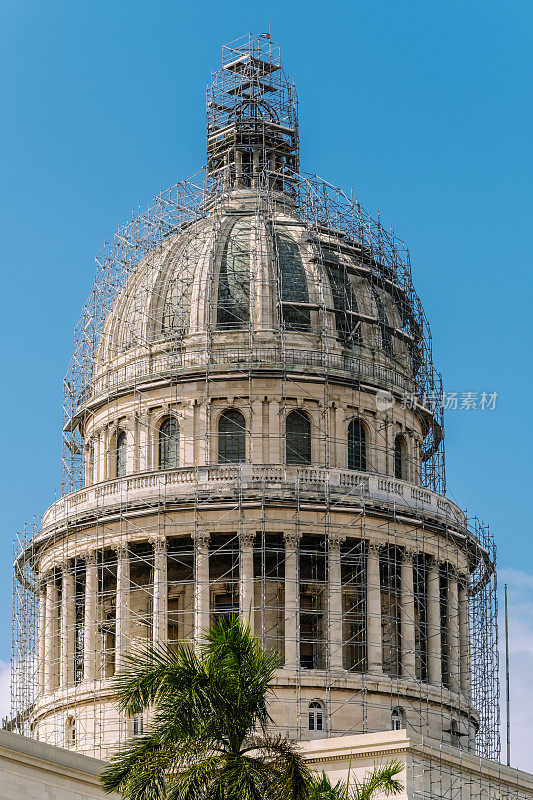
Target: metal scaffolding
column 140, row 548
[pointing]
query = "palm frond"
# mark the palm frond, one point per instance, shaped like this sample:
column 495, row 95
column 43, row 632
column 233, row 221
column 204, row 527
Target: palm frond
column 322, row 789
column 383, row 779
column 206, row 708
column 153, row 672
column 241, row 673
column 195, row 780
column 245, row 778
column 139, row 769
column 291, row 775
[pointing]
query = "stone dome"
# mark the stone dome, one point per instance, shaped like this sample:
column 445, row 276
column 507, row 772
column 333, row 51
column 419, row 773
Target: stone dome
column 253, row 267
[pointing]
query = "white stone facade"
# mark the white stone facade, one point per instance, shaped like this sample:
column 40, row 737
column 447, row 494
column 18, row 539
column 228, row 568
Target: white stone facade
column 36, row 771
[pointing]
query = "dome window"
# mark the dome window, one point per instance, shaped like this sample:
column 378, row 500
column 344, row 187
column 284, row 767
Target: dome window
column 298, row 438
column 400, row 459
column 169, row 444
column 293, row 285
column 176, row 309
column 346, row 322
column 233, row 309
column 386, row 335
column 356, row 446
column 120, row 454
column 231, row 437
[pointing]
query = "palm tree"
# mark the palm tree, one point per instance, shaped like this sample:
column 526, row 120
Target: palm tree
column 208, row 737
column 382, row 779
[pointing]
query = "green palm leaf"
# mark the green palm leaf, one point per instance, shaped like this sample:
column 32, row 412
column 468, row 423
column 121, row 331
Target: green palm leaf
column 207, row 708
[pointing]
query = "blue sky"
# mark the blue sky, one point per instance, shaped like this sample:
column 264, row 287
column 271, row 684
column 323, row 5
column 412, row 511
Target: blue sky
column 423, row 107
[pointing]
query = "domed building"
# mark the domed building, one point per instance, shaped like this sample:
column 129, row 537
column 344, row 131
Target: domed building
column 253, row 426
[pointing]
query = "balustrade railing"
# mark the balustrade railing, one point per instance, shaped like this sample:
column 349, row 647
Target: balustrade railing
column 150, row 487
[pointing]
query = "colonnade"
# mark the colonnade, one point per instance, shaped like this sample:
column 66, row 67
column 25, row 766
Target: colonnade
column 61, row 635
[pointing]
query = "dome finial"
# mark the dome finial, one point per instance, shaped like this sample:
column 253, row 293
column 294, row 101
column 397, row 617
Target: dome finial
column 252, row 117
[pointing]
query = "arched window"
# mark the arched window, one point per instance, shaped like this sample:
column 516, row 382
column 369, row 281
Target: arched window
column 293, row 284
column 316, row 716
column 344, row 301
column 400, row 458
column 396, row 719
column 386, row 335
column 231, row 437
column 356, row 446
column 169, row 444
column 298, row 438
column 234, row 278
column 120, row 455
column 70, row 732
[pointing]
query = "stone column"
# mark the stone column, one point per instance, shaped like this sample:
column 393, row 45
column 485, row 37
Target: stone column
column 373, row 610
column 411, row 451
column 142, row 442
column 335, row 601
column 246, row 577
column 102, row 473
column 378, row 447
column 292, row 617
column 108, row 467
column 408, row 616
column 255, row 162
column 122, row 611
column 50, row 634
column 341, row 439
column 187, row 434
column 452, row 617
column 257, row 432
column 90, row 623
column 89, row 461
column 433, row 623
column 68, row 625
column 464, row 634
column 201, row 456
column 159, row 605
column 42, row 635
column 201, row 586
column 417, row 461
column 274, row 433
column 238, row 167
column 50, row 656
column 130, row 446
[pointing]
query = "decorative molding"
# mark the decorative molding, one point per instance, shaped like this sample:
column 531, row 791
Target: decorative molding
column 159, row 543
column 121, row 550
column 369, row 753
column 409, row 554
column 433, row 562
column 247, row 538
column 336, row 539
column 202, row 539
column 292, row 538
